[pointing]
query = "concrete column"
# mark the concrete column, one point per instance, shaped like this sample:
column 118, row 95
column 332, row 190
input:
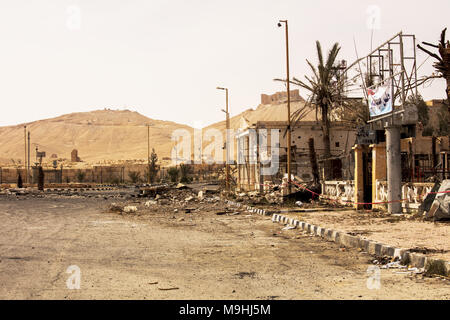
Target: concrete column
column 394, row 169
column 359, row 176
column 379, row 169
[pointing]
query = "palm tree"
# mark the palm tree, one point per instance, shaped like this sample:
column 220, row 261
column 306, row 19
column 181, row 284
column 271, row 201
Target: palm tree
column 325, row 89
column 443, row 59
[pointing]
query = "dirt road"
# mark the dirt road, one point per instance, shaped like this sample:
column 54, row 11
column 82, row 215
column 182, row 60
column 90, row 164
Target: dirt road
column 167, row 255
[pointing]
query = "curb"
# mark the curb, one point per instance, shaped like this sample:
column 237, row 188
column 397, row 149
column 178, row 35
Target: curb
column 77, row 189
column 371, row 247
column 261, row 212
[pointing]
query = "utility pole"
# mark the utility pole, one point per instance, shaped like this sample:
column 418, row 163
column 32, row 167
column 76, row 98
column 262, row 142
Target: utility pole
column 25, row 162
column 394, row 172
column 288, row 105
column 227, row 143
column 28, row 168
column 148, row 153
column 393, row 144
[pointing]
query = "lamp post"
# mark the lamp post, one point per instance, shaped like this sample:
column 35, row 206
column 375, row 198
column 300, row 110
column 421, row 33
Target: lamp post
column 288, row 105
column 148, row 154
column 227, row 165
column 26, row 166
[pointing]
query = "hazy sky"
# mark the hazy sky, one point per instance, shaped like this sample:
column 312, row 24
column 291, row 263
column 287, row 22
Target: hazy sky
column 164, row 59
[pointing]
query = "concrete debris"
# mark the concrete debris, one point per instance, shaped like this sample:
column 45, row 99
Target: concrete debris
column 150, row 203
column 129, row 209
column 114, row 207
column 200, row 196
column 439, row 209
column 298, row 203
column 189, row 198
column 393, row 265
column 274, row 198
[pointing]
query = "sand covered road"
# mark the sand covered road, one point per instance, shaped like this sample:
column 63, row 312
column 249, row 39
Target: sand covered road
column 167, row 255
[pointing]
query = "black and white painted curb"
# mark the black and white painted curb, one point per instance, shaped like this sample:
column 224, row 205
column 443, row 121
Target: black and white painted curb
column 372, row 247
column 248, row 208
column 78, row 189
column 344, row 239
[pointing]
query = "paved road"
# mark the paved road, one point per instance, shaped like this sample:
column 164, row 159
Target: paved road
column 198, row 256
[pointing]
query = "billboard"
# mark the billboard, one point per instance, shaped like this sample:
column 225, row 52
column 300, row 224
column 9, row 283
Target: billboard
column 380, row 100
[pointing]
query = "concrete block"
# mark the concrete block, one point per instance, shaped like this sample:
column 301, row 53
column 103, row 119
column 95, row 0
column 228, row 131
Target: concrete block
column 371, row 248
column 418, row 260
column 378, row 247
column 364, row 244
column 387, row 250
column 329, row 234
column 349, row 240
column 398, row 253
column 318, row 231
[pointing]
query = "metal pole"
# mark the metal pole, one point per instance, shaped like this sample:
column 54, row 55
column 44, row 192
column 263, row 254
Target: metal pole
column 25, row 138
column 393, row 150
column 227, row 149
column 148, row 154
column 394, row 174
column 28, row 168
column 228, row 144
column 288, row 108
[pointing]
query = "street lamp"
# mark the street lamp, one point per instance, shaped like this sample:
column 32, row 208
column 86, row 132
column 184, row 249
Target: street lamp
column 227, row 165
column 148, row 153
column 288, row 105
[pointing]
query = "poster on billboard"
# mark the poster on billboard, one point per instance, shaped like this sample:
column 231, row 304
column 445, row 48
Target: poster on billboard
column 380, row 100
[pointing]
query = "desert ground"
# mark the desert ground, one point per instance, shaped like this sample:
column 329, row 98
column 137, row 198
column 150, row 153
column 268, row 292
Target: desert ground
column 163, row 253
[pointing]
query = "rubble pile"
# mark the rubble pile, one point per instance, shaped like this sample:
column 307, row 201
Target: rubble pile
column 179, row 198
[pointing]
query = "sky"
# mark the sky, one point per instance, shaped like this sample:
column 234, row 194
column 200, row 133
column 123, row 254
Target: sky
column 164, row 59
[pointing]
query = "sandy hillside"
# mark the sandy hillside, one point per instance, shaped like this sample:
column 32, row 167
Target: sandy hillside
column 112, row 135
column 97, row 135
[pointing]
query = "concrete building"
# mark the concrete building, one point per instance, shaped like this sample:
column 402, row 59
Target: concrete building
column 249, row 167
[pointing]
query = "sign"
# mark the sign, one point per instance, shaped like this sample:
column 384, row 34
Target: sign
column 380, row 100
column 365, row 136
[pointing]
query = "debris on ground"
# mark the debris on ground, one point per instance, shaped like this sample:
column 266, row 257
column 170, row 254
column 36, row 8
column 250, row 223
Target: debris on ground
column 129, row 209
column 167, row 289
column 114, row 207
column 150, row 203
column 242, row 275
column 436, row 205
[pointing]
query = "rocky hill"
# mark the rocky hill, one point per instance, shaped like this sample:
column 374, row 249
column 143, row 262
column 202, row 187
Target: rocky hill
column 100, row 135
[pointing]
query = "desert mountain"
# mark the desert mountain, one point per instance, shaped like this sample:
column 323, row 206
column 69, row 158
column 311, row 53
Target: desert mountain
column 112, row 135
column 98, row 135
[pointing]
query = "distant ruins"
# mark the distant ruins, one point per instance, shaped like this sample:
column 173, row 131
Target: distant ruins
column 281, row 97
column 74, row 156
